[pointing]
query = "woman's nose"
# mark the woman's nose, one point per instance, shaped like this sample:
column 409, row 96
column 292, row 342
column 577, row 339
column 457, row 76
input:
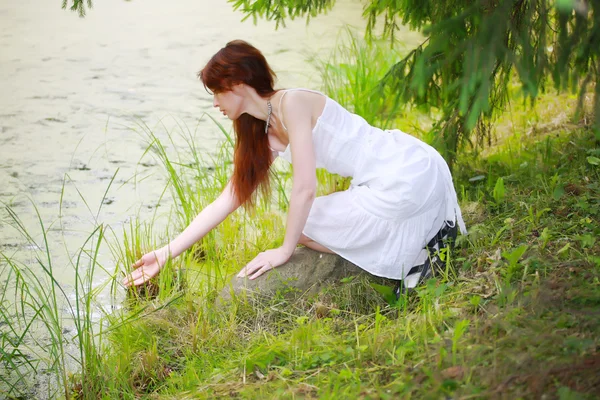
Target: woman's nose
column 215, row 103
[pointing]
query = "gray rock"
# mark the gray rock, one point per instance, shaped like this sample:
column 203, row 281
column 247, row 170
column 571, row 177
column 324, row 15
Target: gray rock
column 306, row 272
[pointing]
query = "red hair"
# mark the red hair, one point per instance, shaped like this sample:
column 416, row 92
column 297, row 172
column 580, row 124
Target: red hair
column 236, row 63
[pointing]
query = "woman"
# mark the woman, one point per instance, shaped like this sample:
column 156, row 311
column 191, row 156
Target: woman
column 400, row 197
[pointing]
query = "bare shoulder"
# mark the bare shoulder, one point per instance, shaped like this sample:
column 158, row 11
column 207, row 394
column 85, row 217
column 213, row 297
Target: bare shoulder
column 299, row 97
column 301, row 104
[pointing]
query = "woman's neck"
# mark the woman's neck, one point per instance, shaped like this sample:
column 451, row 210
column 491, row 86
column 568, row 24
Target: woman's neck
column 256, row 105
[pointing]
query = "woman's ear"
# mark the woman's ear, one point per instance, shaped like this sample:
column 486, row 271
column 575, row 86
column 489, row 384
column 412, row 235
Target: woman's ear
column 239, row 89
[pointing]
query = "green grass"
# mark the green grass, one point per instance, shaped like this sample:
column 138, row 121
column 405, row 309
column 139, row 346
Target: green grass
column 516, row 316
column 350, row 76
column 36, row 312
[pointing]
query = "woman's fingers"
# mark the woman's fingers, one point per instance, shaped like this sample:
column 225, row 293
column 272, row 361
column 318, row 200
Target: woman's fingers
column 257, row 274
column 249, row 269
column 262, row 263
column 138, row 276
column 135, row 273
column 130, row 278
column 143, row 278
column 261, row 271
column 251, row 266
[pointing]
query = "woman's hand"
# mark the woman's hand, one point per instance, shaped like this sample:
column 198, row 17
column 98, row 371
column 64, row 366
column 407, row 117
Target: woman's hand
column 265, row 261
column 147, row 267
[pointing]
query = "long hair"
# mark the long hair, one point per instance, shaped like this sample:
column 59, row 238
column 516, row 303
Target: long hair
column 236, row 63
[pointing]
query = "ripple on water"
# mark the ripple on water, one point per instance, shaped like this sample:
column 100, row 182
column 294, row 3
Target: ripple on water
column 49, row 120
column 48, row 97
column 81, row 167
column 79, row 60
column 68, row 204
column 203, row 99
column 52, row 119
column 8, row 138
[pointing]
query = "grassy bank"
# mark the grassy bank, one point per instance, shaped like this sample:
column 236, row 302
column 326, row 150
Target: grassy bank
column 518, row 316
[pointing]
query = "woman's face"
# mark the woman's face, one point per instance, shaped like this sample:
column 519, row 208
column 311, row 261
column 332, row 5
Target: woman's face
column 229, row 103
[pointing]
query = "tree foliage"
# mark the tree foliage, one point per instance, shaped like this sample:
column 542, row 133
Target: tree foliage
column 279, row 10
column 77, row 5
column 463, row 69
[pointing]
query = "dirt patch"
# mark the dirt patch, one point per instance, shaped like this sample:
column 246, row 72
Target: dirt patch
column 582, row 377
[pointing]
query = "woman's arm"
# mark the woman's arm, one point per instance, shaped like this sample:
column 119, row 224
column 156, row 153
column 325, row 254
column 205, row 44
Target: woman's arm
column 299, row 124
column 304, row 184
column 212, row 215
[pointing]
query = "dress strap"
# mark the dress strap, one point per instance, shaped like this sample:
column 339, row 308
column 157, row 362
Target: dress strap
column 281, row 110
column 289, row 90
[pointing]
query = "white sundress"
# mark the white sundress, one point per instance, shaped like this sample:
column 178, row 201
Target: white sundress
column 399, row 197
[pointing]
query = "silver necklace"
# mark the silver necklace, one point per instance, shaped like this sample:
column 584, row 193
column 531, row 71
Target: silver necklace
column 270, row 110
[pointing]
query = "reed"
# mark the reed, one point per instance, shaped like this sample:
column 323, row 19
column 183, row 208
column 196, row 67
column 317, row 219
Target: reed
column 43, row 311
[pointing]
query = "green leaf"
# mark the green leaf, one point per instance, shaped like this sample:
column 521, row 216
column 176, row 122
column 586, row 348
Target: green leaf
column 345, row 374
column 565, row 393
column 387, row 292
column 475, row 300
column 514, row 256
column 559, row 192
column 564, row 248
column 449, row 385
column 593, row 160
column 565, row 5
column 595, row 260
column 587, row 240
column 499, row 191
